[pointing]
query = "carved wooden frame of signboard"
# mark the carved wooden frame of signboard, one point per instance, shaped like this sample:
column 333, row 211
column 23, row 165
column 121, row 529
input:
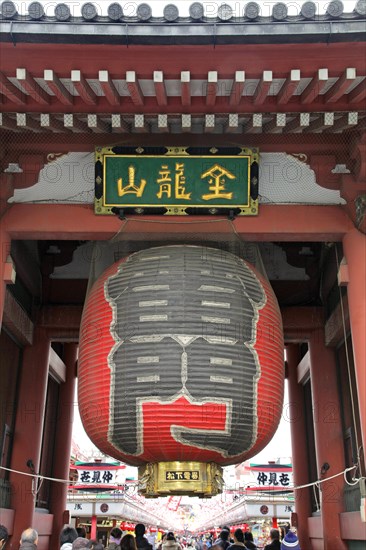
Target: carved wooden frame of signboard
column 176, row 181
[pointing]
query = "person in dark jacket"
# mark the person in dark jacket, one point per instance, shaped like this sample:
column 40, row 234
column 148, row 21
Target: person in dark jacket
column 29, row 539
column 141, row 541
column 249, row 542
column 275, row 540
column 223, row 539
column 238, row 543
column 115, row 537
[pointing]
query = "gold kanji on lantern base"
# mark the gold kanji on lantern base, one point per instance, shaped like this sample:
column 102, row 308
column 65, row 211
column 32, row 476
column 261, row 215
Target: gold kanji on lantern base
column 200, row 479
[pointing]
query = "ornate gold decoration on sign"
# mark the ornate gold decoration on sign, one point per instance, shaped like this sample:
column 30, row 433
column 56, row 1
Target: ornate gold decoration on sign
column 180, row 478
column 51, row 157
column 176, row 211
column 176, row 151
column 213, row 150
column 299, row 156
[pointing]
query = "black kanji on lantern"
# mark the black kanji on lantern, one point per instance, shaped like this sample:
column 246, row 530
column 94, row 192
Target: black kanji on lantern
column 194, row 311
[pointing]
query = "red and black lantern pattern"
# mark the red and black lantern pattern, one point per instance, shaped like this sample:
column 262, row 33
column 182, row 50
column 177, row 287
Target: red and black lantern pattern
column 181, row 358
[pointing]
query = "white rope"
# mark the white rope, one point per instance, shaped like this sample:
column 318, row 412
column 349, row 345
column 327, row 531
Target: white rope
column 297, row 487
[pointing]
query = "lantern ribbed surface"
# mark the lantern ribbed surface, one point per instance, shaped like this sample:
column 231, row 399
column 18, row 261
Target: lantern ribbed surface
column 181, row 358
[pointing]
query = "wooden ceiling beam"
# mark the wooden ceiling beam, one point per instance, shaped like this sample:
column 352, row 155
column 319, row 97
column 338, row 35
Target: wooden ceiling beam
column 315, row 86
column 71, row 122
column 160, row 90
column 185, row 84
column 49, row 122
column 26, row 122
column 32, row 87
column 97, row 125
column 211, row 90
column 358, row 94
column 55, row 84
column 118, row 125
column 254, row 125
column 139, row 124
column 10, row 91
column 237, row 88
column 109, row 88
column 209, row 123
column 300, row 122
column 83, row 88
column 134, row 89
column 341, row 86
column 7, row 123
column 276, row 125
column 186, row 123
column 263, row 88
column 289, row 87
column 323, row 122
column 163, row 123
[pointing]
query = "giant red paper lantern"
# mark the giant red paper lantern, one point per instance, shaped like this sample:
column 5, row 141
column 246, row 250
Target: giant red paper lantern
column 181, row 358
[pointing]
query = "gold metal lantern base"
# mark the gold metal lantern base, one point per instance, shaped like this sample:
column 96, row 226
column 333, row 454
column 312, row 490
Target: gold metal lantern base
column 199, row 479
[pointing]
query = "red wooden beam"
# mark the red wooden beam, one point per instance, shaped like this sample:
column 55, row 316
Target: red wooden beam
column 74, row 124
column 276, row 125
column 185, row 83
column 237, row 88
column 82, row 87
column 118, row 125
column 26, row 122
column 233, row 123
column 263, row 88
column 254, row 125
column 358, row 94
column 163, row 123
column 11, row 92
column 211, row 88
column 55, row 84
column 134, row 88
column 274, row 223
column 314, row 88
column 289, row 87
column 209, row 123
column 341, row 86
column 300, row 122
column 160, row 91
column 109, row 89
column 32, row 87
column 49, row 122
column 140, row 125
column 96, row 124
column 324, row 121
column 7, row 123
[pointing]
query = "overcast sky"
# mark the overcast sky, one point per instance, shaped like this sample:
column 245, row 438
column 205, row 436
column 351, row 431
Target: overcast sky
column 157, row 6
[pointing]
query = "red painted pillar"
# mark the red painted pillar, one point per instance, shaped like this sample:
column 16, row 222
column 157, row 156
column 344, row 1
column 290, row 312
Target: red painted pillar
column 29, row 429
column 62, row 451
column 4, row 252
column 354, row 246
column 328, row 438
column 274, row 523
column 93, row 530
column 298, row 441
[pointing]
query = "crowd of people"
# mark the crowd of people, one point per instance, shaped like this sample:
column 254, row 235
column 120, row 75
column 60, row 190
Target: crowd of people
column 75, row 539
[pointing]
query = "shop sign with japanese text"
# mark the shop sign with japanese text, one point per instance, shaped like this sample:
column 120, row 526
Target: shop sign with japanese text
column 178, row 182
column 103, row 477
column 271, row 477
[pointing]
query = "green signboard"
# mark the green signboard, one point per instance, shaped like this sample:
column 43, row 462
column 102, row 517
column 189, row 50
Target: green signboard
column 177, row 182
